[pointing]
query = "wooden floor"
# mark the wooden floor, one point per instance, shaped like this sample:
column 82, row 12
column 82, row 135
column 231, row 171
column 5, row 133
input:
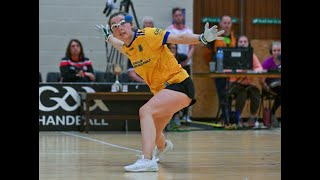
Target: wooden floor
column 244, row 155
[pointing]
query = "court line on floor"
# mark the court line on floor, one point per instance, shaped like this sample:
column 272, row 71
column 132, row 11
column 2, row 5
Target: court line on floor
column 122, row 147
column 264, row 152
column 101, row 142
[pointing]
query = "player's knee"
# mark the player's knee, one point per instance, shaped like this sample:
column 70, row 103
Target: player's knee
column 145, row 110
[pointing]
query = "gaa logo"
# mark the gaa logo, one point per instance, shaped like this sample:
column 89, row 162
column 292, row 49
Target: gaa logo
column 61, row 100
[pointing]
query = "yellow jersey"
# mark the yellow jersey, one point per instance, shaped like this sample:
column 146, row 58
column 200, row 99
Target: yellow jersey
column 152, row 60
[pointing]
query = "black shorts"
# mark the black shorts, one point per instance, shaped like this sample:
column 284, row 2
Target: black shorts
column 185, row 87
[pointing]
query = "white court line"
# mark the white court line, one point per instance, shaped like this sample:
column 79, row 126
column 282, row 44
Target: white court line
column 102, row 142
column 199, row 152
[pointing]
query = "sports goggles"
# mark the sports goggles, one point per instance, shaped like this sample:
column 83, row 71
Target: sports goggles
column 116, row 26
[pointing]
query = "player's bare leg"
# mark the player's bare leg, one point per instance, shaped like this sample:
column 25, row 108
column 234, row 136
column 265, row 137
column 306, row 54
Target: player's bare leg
column 164, row 104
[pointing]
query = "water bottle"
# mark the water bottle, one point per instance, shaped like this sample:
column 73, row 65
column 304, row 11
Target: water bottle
column 219, row 57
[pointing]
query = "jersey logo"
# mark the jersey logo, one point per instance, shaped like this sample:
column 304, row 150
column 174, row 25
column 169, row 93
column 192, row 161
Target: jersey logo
column 158, row 32
column 140, row 63
column 140, row 48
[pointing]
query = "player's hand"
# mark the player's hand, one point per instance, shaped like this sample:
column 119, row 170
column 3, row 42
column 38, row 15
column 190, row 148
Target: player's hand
column 210, row 34
column 104, row 31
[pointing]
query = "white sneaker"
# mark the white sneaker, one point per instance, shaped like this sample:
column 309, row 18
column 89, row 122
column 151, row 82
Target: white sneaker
column 159, row 154
column 155, row 154
column 142, row 165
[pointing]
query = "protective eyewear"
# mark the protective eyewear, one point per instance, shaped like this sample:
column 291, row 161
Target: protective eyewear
column 116, row 26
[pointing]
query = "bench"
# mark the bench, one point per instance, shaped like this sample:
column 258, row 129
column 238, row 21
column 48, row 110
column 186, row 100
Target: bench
column 128, row 105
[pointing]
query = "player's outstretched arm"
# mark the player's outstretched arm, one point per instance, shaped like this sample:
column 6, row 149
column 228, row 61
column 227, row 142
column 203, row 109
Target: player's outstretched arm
column 208, row 36
column 104, row 31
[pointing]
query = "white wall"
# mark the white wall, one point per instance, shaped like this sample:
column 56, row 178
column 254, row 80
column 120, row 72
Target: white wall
column 62, row 20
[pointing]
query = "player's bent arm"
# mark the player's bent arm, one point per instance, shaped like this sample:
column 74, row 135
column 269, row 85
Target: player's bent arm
column 115, row 43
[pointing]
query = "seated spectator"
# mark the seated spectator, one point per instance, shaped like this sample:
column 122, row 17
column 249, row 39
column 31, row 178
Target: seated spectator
column 272, row 85
column 75, row 67
column 244, row 88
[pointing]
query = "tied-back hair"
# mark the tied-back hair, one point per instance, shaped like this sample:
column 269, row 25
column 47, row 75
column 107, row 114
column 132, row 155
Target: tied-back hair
column 124, row 14
column 68, row 50
column 116, row 14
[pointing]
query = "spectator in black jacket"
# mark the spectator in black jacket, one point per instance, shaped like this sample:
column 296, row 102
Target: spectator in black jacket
column 75, row 67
